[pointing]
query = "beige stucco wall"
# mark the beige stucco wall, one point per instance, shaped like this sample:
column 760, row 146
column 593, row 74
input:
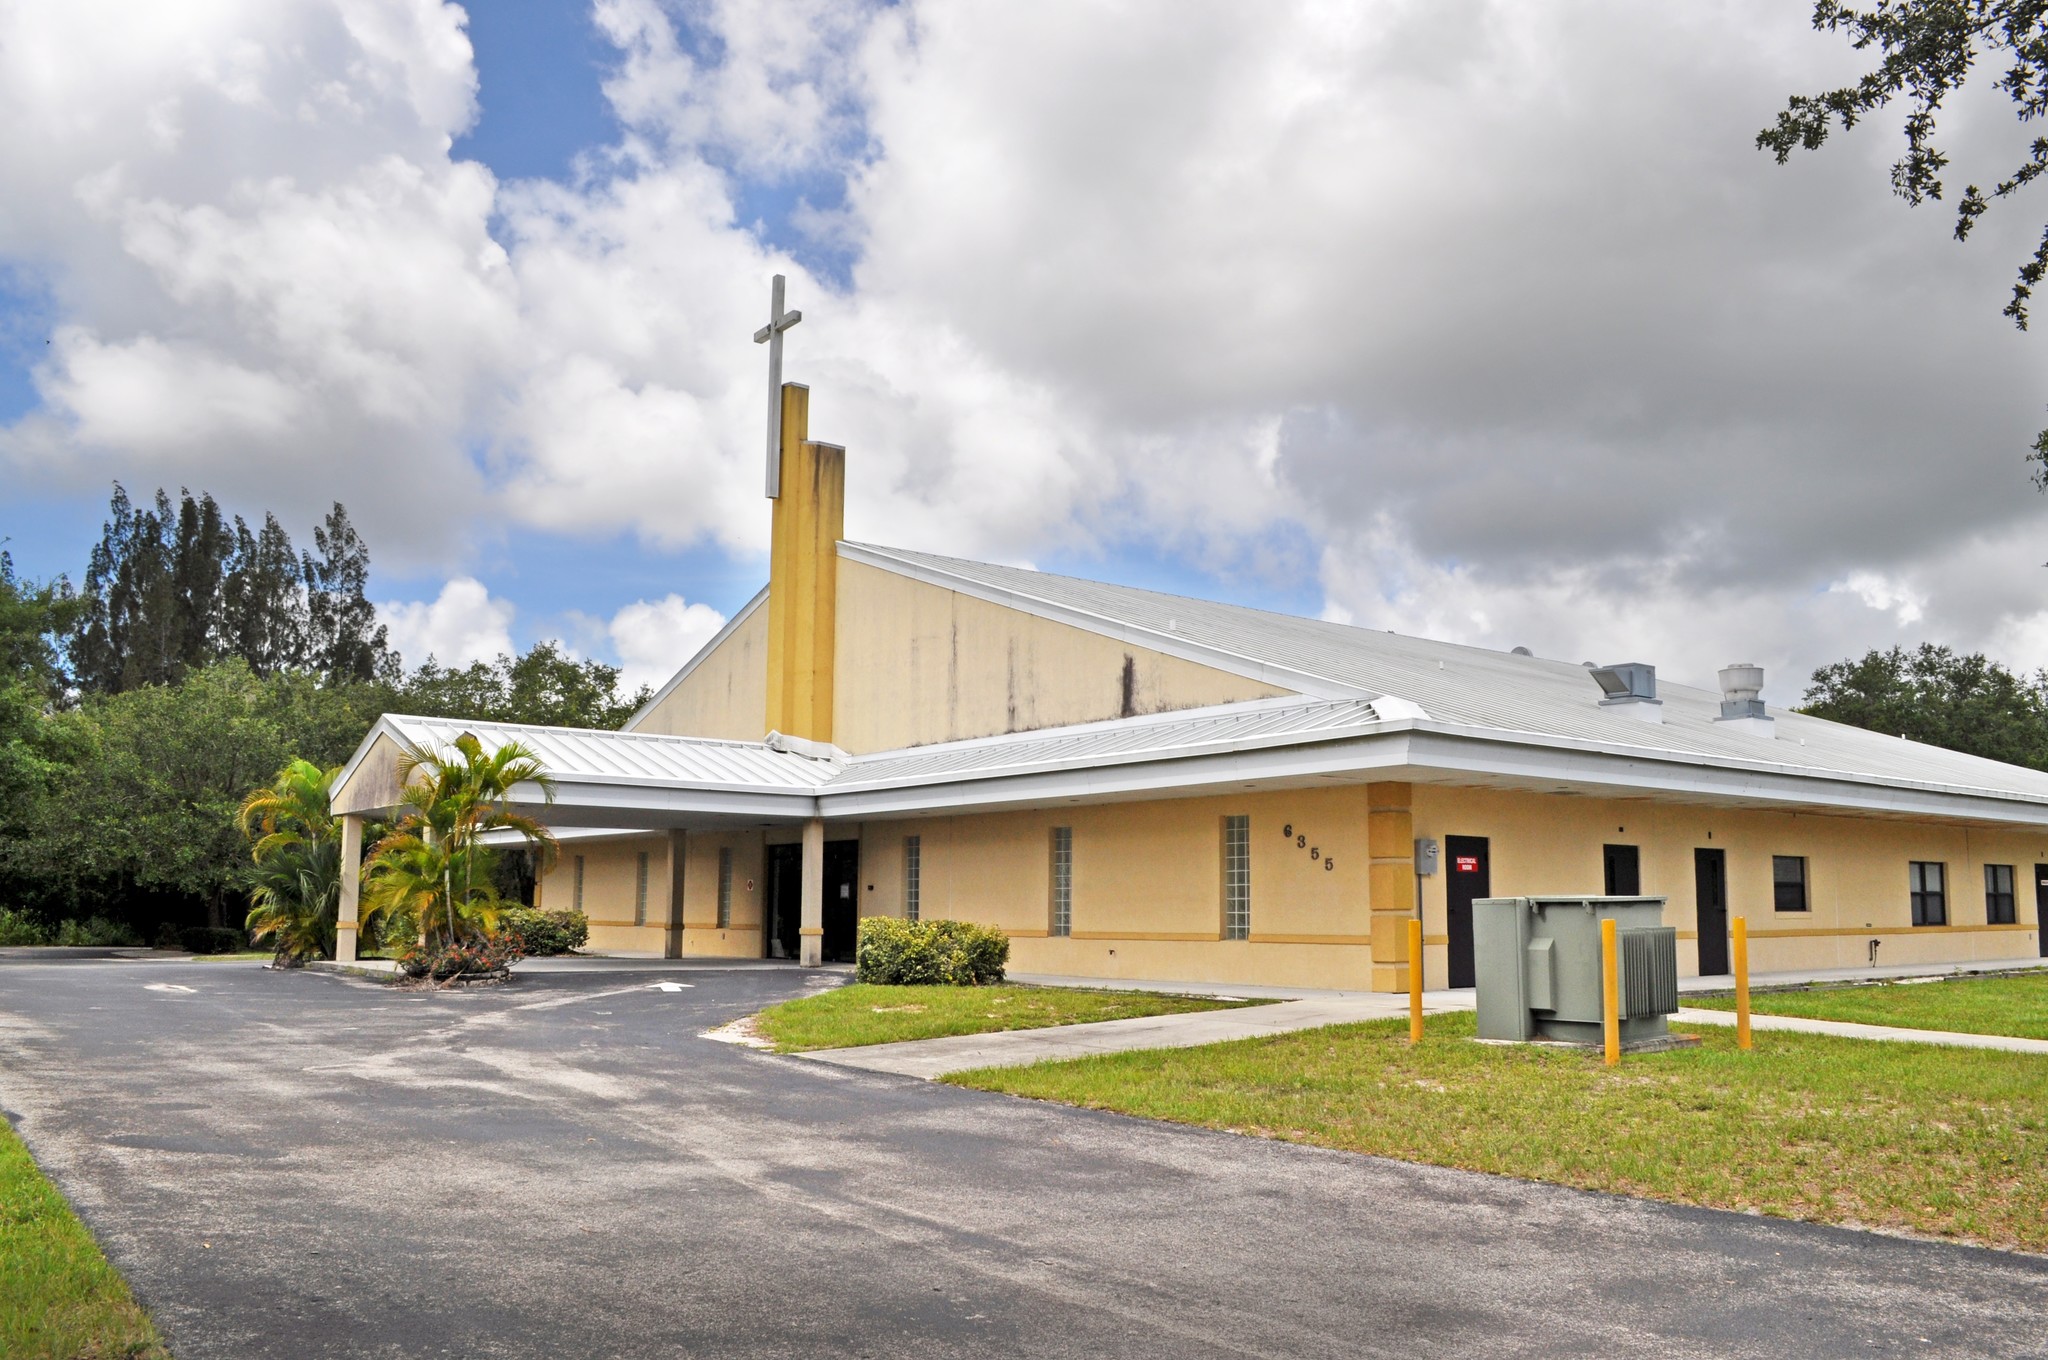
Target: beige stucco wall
column 741, row 938
column 374, row 784
column 1856, row 874
column 1147, row 886
column 1147, row 896
column 610, row 883
column 916, row 664
column 726, row 696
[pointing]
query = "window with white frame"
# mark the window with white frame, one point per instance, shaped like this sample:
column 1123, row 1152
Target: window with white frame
column 913, row 863
column 1928, row 883
column 1237, row 878
column 724, row 887
column 2001, row 908
column 640, row 891
column 1062, row 880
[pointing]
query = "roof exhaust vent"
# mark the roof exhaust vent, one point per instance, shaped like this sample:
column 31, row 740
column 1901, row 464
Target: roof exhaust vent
column 1631, row 688
column 1742, row 704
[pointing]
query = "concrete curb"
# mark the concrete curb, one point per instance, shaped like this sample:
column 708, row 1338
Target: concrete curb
column 382, row 970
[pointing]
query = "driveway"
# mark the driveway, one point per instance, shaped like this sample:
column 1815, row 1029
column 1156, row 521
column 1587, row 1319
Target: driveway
column 302, row 1165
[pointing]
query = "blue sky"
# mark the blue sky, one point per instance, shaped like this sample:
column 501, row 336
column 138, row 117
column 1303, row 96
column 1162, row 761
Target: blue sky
column 541, row 66
column 1392, row 320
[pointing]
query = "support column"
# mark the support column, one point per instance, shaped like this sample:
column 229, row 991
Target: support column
column 1390, row 845
column 678, row 847
column 811, row 934
column 351, row 887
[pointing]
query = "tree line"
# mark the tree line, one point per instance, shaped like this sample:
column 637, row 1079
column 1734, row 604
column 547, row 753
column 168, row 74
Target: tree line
column 194, row 661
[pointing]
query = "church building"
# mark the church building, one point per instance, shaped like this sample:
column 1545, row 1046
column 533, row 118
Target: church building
column 1139, row 785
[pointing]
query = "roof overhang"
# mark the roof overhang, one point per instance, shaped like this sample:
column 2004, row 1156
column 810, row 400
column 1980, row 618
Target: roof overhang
column 603, row 780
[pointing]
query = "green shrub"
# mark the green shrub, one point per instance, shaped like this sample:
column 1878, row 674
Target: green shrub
column 212, row 940
column 169, row 936
column 542, row 933
column 18, row 927
column 95, row 932
column 926, row 953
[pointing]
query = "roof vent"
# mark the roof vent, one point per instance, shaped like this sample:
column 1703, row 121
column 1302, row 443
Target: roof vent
column 1521, row 651
column 1631, row 688
column 1742, row 704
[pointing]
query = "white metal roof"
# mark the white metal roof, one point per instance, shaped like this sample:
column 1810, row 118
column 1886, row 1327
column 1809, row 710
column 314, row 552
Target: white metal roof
column 1234, row 727
column 1458, row 686
column 576, row 754
column 1368, row 705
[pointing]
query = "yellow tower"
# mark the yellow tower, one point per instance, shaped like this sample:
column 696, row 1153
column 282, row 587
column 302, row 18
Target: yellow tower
column 803, row 575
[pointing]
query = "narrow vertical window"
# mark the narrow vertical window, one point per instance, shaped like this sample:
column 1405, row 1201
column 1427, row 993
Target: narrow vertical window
column 1788, row 882
column 2000, row 908
column 724, row 887
column 640, row 891
column 913, row 856
column 1063, row 880
column 579, row 883
column 1237, row 878
column 1928, row 883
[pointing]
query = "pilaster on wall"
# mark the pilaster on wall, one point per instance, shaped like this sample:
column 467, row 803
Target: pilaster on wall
column 346, row 922
column 1390, row 844
column 678, row 852
column 803, row 579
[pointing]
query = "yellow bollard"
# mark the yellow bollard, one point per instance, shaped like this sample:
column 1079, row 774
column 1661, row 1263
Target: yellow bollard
column 1414, row 982
column 1742, row 1039
column 1610, row 990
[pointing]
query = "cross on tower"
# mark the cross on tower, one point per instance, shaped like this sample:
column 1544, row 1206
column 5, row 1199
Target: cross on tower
column 771, row 335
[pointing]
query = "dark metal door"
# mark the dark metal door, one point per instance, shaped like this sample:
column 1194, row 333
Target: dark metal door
column 1623, row 870
column 842, row 900
column 1710, row 893
column 1467, row 876
column 2041, row 908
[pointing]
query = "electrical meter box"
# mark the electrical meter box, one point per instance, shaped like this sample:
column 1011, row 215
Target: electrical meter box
column 1538, row 968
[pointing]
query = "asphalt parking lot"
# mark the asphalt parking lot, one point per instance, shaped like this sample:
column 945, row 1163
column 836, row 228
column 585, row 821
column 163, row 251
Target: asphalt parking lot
column 306, row 1165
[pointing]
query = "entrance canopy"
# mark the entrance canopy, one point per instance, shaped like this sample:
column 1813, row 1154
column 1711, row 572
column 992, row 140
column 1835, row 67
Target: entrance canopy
column 602, row 779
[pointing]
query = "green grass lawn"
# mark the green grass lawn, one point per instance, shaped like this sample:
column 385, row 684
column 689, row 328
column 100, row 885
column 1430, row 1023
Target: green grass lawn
column 1940, row 1141
column 2014, row 1003
column 59, row 1299
column 862, row 1013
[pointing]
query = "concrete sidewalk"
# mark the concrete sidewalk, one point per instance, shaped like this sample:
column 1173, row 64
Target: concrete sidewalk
column 930, row 1058
column 1842, row 1029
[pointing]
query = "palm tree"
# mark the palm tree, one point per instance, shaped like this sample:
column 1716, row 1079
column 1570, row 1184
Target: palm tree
column 434, row 866
column 295, row 890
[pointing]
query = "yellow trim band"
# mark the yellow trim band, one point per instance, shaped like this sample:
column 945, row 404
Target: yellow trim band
column 1256, row 938
column 1818, row 933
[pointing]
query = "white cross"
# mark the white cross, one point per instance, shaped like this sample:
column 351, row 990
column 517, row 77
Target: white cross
column 771, row 335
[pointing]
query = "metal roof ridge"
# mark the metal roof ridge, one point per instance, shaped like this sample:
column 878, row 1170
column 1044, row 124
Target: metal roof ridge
column 607, row 732
column 1136, row 722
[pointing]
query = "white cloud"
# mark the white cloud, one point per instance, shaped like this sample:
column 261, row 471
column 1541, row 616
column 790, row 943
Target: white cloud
column 652, row 639
column 1493, row 304
column 460, row 625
